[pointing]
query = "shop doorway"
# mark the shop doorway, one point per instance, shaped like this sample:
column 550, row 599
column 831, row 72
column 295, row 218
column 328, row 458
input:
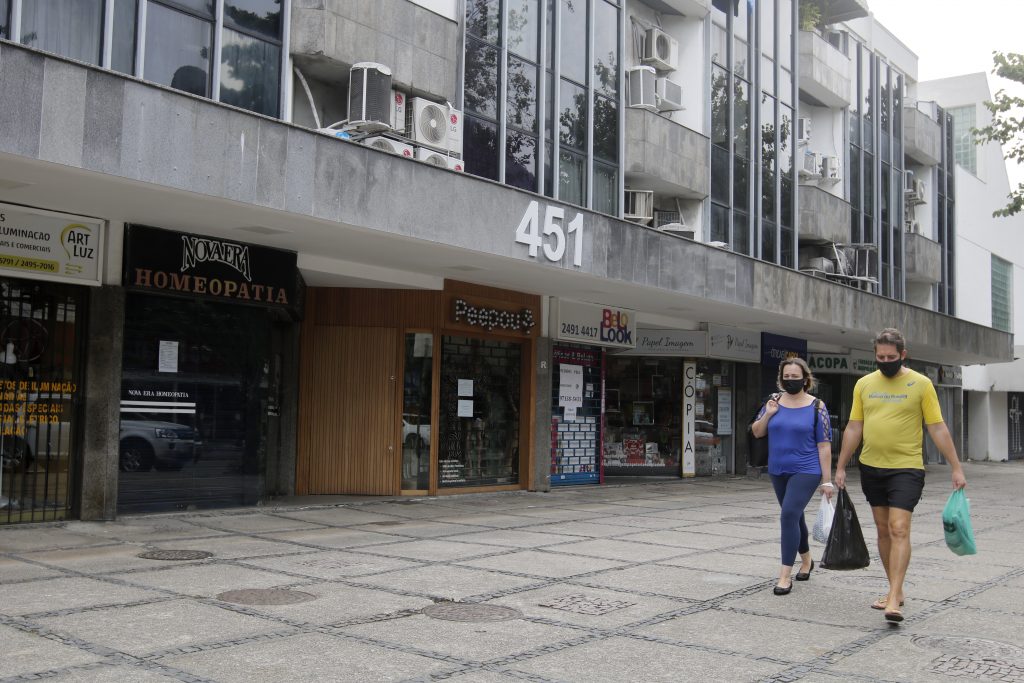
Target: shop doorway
column 41, row 369
column 197, row 384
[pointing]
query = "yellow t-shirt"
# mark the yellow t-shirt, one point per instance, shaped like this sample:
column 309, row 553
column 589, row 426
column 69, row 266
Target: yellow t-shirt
column 891, row 410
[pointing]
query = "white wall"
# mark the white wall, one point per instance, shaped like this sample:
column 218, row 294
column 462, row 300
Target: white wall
column 446, row 8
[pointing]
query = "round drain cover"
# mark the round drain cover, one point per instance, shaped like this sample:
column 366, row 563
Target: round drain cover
column 175, row 555
column 265, row 596
column 468, row 611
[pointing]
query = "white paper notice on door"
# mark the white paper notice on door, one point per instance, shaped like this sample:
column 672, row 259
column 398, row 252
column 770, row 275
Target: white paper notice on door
column 167, row 358
column 570, row 413
column 465, row 408
column 466, row 387
column 570, row 386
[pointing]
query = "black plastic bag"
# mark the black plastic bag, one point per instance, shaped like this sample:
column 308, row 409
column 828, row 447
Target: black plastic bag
column 845, row 548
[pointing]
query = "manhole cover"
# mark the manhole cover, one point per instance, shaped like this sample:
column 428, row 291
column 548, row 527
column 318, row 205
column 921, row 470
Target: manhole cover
column 974, row 658
column 582, row 604
column 175, row 555
column 470, row 612
column 977, row 648
column 265, row 596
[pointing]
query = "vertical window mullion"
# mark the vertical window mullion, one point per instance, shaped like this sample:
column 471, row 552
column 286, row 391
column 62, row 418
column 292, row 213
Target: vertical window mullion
column 140, row 39
column 730, row 100
column 542, row 97
column 556, row 98
column 15, row 29
column 588, row 183
column 502, row 90
column 108, row 33
column 755, row 218
column 620, row 182
column 218, row 45
column 285, row 107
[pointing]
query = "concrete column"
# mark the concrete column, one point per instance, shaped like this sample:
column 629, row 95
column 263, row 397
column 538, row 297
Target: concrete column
column 102, row 411
column 542, row 431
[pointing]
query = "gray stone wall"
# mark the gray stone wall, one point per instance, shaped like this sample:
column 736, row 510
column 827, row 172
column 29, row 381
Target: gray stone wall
column 923, row 258
column 662, row 149
column 824, row 217
column 922, row 137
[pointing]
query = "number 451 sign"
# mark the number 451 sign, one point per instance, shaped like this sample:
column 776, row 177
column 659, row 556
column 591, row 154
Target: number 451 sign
column 554, row 238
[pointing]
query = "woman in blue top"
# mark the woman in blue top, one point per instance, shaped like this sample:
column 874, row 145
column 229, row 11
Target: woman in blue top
column 799, row 461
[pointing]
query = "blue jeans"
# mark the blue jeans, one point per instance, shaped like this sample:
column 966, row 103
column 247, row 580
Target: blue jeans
column 794, row 491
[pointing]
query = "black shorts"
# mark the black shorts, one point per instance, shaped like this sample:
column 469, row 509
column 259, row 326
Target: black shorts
column 898, row 487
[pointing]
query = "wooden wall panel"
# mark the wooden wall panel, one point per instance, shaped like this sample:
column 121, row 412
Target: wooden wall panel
column 348, row 424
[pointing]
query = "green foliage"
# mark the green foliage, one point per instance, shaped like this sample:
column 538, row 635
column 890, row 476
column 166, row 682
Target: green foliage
column 1007, row 127
column 810, row 16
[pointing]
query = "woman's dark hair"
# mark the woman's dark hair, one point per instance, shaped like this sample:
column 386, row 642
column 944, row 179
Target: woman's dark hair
column 891, row 335
column 809, row 380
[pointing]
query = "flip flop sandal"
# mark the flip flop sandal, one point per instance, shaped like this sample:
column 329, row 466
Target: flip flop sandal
column 894, row 616
column 880, row 603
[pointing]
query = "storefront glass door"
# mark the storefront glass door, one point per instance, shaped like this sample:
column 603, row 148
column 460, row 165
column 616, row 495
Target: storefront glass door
column 196, row 385
column 479, row 431
column 416, row 402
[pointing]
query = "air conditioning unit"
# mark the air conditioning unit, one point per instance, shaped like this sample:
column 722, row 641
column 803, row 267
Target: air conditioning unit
column 665, row 217
column 398, row 100
column 638, row 206
column 830, row 169
column 435, row 158
column 335, row 133
column 660, row 50
column 803, row 130
column 680, row 229
column 810, row 167
column 388, row 145
column 821, row 263
column 913, row 226
column 642, row 87
column 668, row 94
column 920, row 191
column 369, row 97
column 434, row 125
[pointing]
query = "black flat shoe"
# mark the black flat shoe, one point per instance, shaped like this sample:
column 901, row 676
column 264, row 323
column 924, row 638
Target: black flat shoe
column 779, row 590
column 803, row 576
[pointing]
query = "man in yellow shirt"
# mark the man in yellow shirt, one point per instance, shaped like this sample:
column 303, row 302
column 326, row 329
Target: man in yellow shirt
column 888, row 408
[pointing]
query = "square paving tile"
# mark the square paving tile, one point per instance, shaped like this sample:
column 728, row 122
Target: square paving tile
column 634, row 607
column 143, row 629
column 583, row 529
column 145, row 529
column 641, row 522
column 233, row 547
column 337, row 516
column 12, row 570
column 337, row 659
column 679, row 538
column 670, row 581
column 545, row 564
column 66, row 593
column 614, row 549
column 331, row 538
column 479, row 641
column 101, row 559
column 335, row 564
column 25, row 538
column 514, row 538
column 627, row 660
column 258, row 523
column 1008, row 628
column 108, row 673
column 435, row 551
column 446, row 582
column 420, row 529
column 25, row 653
column 206, row 580
column 337, row 603
column 490, row 520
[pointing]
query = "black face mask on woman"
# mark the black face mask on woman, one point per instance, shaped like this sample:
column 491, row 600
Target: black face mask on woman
column 792, row 386
column 889, row 368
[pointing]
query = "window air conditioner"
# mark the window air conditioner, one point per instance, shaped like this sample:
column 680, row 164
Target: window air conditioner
column 388, row 145
column 369, row 97
column 811, row 165
column 434, row 125
column 680, row 229
column 398, row 100
column 638, row 206
column 830, row 168
column 642, row 88
column 435, row 158
column 920, row 191
column 665, row 217
column 668, row 94
column 822, row 264
column 803, row 130
column 660, row 50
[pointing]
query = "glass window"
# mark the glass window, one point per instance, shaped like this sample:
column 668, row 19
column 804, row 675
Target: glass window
column 549, row 171
column 483, row 19
column 122, row 49
column 786, row 9
column 719, row 174
column 787, row 260
column 769, row 238
column 786, row 132
column 720, row 107
column 419, row 355
column 719, row 223
column 572, row 178
column 741, row 119
column 70, row 29
column 786, row 86
column 481, row 87
column 768, row 29
column 249, row 73
column 483, row 449
column 606, row 48
column 606, row 189
column 573, row 37
column 5, row 13
column 481, row 147
column 964, row 150
column 523, row 28
column 178, row 48
column 719, row 43
column 573, row 116
column 606, row 129
column 257, row 16
column 521, row 161
column 1002, row 294
column 522, row 95
column 741, row 229
column 768, row 157
column 203, row 7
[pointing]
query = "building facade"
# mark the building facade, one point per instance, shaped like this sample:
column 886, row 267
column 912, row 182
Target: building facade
column 254, row 248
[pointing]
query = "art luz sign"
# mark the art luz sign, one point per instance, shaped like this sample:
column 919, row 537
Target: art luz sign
column 592, row 324
column 45, row 245
column 733, row 343
column 208, row 267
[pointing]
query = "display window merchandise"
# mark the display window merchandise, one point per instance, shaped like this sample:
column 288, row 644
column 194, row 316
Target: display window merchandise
column 577, row 427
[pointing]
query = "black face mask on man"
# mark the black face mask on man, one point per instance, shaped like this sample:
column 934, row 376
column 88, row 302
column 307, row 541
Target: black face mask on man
column 890, row 368
column 792, row 386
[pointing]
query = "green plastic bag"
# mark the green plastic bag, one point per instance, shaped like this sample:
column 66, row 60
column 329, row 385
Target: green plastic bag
column 956, row 522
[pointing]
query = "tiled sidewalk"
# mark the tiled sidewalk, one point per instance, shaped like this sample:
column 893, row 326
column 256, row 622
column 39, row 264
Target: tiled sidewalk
column 667, row 581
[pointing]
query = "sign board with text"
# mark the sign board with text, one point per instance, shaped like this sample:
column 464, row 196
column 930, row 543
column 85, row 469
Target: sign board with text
column 45, row 245
column 592, row 324
column 665, row 342
column 733, row 343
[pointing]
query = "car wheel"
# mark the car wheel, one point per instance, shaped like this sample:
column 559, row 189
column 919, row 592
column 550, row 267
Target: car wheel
column 15, row 454
column 136, row 456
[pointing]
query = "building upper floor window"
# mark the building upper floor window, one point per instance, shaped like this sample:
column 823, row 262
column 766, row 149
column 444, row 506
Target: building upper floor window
column 964, row 150
column 1002, row 294
column 171, row 42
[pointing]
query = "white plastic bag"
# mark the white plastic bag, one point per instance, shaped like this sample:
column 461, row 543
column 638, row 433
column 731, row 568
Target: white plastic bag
column 823, row 522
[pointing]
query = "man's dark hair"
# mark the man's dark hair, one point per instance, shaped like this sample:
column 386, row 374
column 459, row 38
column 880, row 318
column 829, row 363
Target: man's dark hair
column 891, row 335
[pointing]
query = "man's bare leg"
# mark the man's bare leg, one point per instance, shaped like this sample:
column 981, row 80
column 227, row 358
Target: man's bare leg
column 881, row 515
column 899, row 555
